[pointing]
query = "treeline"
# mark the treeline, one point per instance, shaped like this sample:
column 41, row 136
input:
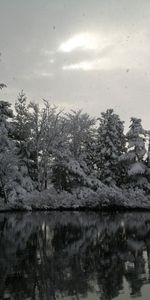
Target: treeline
column 43, row 146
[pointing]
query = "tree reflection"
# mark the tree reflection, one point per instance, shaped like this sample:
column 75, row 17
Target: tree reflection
column 56, row 255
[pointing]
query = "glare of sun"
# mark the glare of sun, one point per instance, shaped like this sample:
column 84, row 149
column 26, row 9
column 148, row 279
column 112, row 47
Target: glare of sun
column 85, row 66
column 83, row 41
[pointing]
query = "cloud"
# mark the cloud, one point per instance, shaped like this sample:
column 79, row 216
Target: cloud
column 84, row 41
column 45, row 74
column 85, row 66
column 121, row 51
column 78, row 54
column 97, row 64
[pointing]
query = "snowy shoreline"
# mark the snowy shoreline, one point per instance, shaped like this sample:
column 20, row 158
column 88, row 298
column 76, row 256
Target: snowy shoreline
column 104, row 199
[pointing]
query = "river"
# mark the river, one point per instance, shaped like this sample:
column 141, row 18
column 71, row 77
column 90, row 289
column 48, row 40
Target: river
column 74, row 255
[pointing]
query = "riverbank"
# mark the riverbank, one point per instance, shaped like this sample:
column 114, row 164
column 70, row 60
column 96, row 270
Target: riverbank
column 105, row 198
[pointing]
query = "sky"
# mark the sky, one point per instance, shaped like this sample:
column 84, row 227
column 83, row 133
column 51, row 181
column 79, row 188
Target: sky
column 78, row 54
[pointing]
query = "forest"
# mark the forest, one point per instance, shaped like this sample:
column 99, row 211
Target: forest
column 70, row 157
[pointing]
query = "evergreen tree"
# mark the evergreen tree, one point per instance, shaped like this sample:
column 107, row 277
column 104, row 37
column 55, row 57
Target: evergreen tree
column 21, row 117
column 110, row 147
column 22, row 128
column 14, row 182
column 134, row 158
column 8, row 159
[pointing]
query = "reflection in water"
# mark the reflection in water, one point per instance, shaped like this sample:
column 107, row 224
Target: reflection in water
column 74, row 255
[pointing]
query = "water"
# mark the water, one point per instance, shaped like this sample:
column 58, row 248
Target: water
column 64, row 255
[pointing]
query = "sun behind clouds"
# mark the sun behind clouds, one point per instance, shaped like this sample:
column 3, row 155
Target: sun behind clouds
column 82, row 41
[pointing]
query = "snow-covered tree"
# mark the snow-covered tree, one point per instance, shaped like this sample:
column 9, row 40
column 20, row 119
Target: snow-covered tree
column 80, row 132
column 110, row 147
column 135, row 156
column 21, row 118
column 14, row 182
column 7, row 156
column 46, row 137
column 22, row 128
column 22, row 137
column 73, row 167
column 52, row 140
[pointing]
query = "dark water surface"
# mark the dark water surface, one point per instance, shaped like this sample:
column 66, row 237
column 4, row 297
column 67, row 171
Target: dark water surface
column 66, row 255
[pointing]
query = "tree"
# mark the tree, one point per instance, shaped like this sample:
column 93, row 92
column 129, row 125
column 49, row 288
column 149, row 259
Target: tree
column 45, row 140
column 8, row 158
column 110, row 147
column 22, row 136
column 73, row 166
column 14, row 180
column 22, row 128
column 136, row 150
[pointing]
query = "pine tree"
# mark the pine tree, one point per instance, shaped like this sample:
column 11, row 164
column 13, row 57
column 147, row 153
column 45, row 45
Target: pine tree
column 110, row 147
column 22, row 128
column 8, row 160
column 14, row 180
column 135, row 156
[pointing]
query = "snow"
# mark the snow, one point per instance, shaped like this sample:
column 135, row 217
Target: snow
column 81, row 198
column 136, row 168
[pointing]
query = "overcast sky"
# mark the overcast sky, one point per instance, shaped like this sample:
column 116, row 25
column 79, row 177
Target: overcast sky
column 89, row 54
